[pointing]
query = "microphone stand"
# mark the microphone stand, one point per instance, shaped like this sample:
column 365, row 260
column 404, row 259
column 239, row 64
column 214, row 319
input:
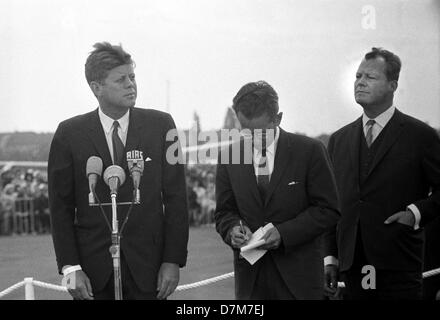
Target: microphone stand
column 115, row 250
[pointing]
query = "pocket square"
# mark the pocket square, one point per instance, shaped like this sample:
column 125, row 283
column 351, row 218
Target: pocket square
column 293, row 183
column 148, row 159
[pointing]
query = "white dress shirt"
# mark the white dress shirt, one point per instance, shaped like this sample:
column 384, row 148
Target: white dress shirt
column 380, row 123
column 270, row 154
column 107, row 125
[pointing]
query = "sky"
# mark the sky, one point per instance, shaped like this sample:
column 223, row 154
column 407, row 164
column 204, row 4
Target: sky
column 308, row 50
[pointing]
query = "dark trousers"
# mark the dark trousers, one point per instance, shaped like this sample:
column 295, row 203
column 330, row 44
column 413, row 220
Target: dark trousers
column 390, row 284
column 430, row 287
column 269, row 284
column 130, row 290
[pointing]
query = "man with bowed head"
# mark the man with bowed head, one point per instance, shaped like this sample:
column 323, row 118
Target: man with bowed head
column 287, row 182
column 154, row 240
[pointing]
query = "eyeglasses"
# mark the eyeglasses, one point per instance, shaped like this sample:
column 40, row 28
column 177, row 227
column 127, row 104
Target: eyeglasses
column 258, row 133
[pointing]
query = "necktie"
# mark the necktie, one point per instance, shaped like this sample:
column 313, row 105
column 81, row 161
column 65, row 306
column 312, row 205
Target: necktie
column 263, row 175
column 369, row 135
column 118, row 146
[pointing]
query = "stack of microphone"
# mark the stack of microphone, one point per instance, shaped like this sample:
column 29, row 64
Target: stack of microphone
column 114, row 176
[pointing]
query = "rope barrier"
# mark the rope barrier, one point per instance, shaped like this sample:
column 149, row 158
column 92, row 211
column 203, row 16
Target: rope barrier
column 11, row 288
column 431, row 273
column 29, row 283
column 49, row 286
column 205, row 282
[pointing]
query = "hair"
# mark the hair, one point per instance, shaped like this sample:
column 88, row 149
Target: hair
column 255, row 99
column 104, row 58
column 393, row 63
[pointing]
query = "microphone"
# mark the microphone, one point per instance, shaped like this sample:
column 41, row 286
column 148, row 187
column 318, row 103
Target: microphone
column 93, row 172
column 114, row 177
column 135, row 162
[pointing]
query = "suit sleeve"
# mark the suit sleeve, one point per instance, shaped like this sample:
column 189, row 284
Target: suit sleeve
column 430, row 207
column 175, row 204
column 323, row 212
column 329, row 242
column 62, row 199
column 226, row 213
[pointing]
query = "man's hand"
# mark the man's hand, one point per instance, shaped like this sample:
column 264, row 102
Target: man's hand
column 238, row 238
column 78, row 285
column 167, row 279
column 403, row 217
column 331, row 278
column 272, row 238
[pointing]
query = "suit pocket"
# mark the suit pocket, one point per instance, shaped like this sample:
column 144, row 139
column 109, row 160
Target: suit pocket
column 407, row 228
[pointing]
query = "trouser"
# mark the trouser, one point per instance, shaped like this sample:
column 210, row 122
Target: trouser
column 389, row 284
column 130, row 290
column 269, row 284
column 430, row 287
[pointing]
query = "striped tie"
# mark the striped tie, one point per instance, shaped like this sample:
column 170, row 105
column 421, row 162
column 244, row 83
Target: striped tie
column 263, row 175
column 118, row 146
column 369, row 135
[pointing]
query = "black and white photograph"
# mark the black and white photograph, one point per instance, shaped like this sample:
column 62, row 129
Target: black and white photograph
column 237, row 152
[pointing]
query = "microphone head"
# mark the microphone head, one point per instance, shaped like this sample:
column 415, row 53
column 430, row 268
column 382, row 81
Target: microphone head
column 136, row 166
column 114, row 171
column 135, row 161
column 94, row 165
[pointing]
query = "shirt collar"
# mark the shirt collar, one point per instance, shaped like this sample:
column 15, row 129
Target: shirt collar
column 381, row 119
column 272, row 148
column 107, row 122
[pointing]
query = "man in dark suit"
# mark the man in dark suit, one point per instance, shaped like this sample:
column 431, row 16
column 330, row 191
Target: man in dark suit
column 431, row 285
column 154, row 240
column 386, row 163
column 284, row 179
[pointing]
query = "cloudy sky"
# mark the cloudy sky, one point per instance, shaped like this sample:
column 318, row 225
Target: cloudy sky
column 206, row 50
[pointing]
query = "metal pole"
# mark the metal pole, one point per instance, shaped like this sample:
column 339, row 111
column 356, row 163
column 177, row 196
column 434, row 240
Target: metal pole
column 115, row 250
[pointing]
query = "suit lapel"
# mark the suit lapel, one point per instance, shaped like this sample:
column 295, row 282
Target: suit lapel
column 247, row 175
column 282, row 157
column 354, row 143
column 97, row 136
column 395, row 126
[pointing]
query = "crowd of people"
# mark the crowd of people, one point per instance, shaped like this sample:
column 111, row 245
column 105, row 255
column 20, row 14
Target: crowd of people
column 200, row 182
column 24, row 204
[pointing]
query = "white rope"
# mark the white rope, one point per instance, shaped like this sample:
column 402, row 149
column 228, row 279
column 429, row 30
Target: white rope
column 431, row 273
column 193, row 285
column 11, row 288
column 205, row 282
column 49, row 286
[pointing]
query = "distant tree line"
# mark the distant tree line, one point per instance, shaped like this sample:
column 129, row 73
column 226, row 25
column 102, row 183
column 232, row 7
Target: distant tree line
column 31, row 146
column 25, row 146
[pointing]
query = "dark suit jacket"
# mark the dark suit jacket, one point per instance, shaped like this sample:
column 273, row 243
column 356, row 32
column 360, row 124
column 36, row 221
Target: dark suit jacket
column 404, row 170
column 301, row 212
column 157, row 229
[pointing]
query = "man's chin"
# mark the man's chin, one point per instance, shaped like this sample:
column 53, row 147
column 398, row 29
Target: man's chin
column 362, row 102
column 130, row 104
